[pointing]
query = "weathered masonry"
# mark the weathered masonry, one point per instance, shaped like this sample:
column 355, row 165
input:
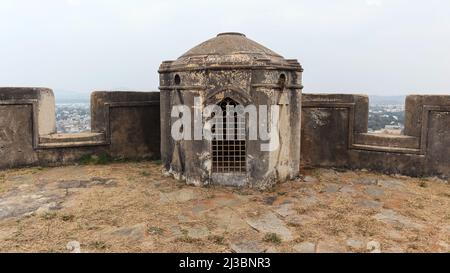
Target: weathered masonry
column 120, row 128
column 334, row 134
column 126, row 125
column 231, row 69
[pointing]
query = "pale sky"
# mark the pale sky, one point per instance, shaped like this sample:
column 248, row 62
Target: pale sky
column 376, row 47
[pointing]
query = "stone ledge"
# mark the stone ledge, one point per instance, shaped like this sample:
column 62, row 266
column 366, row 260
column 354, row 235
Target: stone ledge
column 385, row 140
column 28, row 134
column 385, row 149
column 76, row 137
column 71, row 144
column 71, row 140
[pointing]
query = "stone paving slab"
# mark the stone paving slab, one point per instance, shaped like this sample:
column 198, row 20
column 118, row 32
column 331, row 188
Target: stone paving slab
column 133, row 207
column 270, row 223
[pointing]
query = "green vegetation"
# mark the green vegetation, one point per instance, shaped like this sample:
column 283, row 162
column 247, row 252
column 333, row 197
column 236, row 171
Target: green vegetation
column 68, row 217
column 101, row 159
column 48, row 215
column 155, row 231
column 272, row 238
column 217, row 239
column 98, row 244
column 104, row 158
column 188, row 240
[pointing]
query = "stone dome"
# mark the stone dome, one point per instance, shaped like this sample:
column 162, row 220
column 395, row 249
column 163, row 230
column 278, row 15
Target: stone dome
column 228, row 50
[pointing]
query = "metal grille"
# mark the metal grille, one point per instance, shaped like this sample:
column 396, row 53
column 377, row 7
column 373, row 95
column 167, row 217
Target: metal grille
column 229, row 151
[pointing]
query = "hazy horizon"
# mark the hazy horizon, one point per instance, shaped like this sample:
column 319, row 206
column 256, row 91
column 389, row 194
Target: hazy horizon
column 374, row 47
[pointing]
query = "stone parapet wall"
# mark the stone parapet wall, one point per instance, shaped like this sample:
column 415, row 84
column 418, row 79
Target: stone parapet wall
column 130, row 122
column 125, row 125
column 334, row 134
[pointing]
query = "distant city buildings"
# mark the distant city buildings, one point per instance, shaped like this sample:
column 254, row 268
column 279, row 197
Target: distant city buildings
column 73, row 117
column 387, row 118
column 383, row 118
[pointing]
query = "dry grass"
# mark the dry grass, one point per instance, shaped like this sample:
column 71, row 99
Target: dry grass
column 92, row 215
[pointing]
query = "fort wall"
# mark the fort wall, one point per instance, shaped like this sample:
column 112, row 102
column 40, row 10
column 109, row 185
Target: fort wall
column 126, row 125
column 334, row 134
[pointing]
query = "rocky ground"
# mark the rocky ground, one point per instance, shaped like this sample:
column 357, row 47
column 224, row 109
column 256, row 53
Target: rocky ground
column 132, row 207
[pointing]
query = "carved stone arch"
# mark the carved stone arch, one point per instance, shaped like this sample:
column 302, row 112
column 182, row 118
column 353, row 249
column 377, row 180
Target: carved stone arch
column 236, row 94
column 229, row 156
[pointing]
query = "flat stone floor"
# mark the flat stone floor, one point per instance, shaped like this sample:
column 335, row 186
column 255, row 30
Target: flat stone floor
column 132, row 207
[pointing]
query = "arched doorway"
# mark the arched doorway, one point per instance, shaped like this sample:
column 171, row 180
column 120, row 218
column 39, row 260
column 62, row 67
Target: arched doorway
column 229, row 151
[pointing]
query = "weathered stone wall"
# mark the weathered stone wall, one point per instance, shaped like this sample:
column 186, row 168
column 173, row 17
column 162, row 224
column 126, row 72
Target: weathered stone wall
column 124, row 125
column 130, row 121
column 334, row 134
column 127, row 125
column 192, row 159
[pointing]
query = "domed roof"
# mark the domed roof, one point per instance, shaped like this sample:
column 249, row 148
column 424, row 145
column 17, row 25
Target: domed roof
column 229, row 43
column 229, row 49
